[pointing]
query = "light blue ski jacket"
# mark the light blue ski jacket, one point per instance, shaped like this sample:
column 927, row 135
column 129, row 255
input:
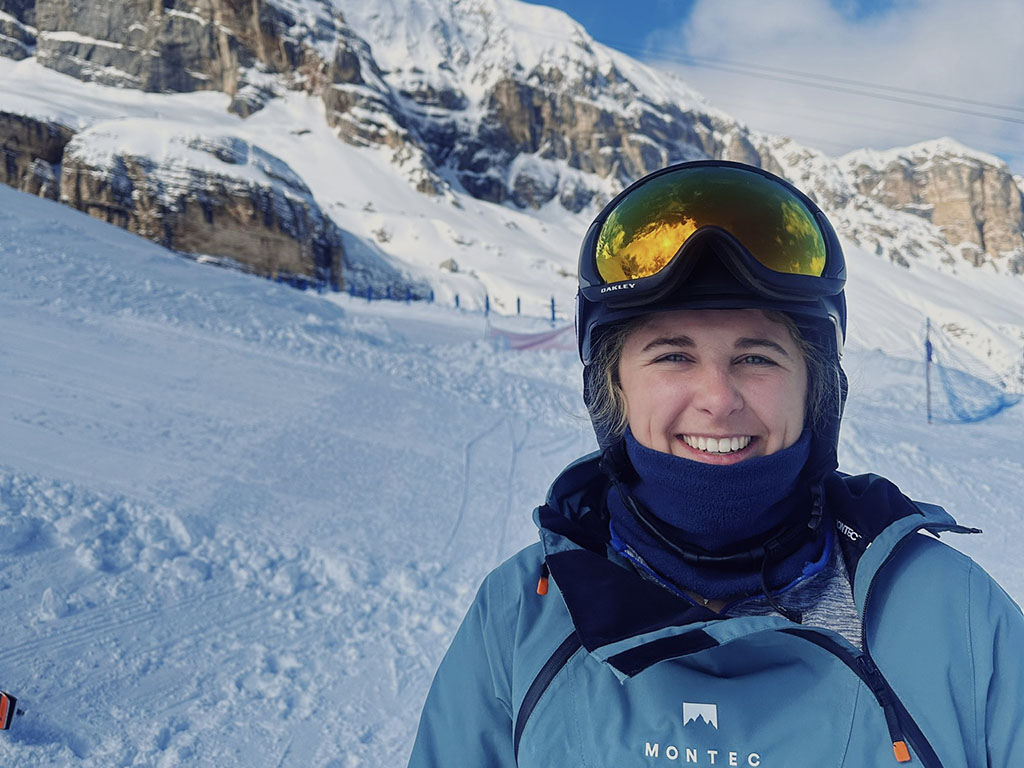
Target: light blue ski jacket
column 610, row 670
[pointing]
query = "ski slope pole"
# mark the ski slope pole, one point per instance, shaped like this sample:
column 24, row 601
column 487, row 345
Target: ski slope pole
column 928, row 367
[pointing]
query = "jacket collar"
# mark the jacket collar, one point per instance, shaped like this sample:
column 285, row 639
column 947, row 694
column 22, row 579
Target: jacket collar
column 872, row 518
column 631, row 623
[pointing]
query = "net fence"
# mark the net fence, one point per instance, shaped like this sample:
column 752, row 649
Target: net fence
column 970, row 391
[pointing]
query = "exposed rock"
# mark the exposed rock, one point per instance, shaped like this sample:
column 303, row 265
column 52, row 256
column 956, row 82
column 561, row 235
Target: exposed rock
column 532, row 190
column 42, row 180
column 254, row 89
column 972, row 199
column 31, row 149
column 360, row 105
column 428, row 95
column 22, row 10
column 576, row 196
column 740, row 149
column 364, row 111
column 489, row 120
column 17, row 28
column 219, row 198
column 174, row 45
column 526, row 119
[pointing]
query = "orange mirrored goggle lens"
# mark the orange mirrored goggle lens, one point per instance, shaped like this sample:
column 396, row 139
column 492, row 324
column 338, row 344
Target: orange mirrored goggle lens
column 647, row 228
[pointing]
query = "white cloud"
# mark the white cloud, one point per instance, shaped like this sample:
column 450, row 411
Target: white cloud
column 967, row 50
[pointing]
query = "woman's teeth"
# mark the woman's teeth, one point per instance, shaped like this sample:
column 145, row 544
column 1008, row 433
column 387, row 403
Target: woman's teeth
column 717, row 444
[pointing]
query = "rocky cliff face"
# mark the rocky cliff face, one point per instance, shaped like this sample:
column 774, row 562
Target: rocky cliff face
column 511, row 103
column 514, row 121
column 172, row 46
column 32, row 150
column 17, row 29
column 971, row 198
column 216, row 197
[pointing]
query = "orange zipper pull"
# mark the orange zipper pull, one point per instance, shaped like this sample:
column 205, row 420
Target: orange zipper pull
column 901, row 751
column 542, row 582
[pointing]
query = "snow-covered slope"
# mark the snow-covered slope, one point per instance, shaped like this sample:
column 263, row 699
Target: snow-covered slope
column 239, row 523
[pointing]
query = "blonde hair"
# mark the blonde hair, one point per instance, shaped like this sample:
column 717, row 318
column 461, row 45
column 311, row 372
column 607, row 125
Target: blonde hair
column 607, row 402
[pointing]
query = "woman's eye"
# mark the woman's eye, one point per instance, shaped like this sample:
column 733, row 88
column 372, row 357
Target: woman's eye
column 673, row 357
column 756, row 360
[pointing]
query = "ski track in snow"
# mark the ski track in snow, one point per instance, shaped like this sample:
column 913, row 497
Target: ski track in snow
column 517, row 447
column 467, row 481
column 239, row 524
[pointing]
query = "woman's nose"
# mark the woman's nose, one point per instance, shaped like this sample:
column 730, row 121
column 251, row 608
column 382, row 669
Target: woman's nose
column 717, row 393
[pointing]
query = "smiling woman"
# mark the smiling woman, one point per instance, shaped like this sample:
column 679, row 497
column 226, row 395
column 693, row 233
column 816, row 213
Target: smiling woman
column 710, row 557
column 715, row 386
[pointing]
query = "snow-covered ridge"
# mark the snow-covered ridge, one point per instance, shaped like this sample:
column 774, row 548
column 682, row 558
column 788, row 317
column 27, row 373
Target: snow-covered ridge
column 945, row 147
column 176, row 147
column 471, row 44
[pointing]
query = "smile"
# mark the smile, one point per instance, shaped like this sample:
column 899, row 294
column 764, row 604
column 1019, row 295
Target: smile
column 717, row 444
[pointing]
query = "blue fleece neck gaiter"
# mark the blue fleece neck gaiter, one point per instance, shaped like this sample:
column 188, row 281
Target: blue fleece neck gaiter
column 718, row 509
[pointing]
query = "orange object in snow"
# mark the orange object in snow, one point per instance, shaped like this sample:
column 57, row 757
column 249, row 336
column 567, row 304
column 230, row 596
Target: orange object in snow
column 8, row 707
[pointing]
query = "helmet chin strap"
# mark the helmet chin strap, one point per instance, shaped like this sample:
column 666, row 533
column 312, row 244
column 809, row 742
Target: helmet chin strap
column 783, row 542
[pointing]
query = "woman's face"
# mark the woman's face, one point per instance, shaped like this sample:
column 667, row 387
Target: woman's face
column 713, row 385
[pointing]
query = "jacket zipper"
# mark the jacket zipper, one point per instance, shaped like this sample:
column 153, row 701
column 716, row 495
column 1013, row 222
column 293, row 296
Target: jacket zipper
column 899, row 721
column 540, row 683
column 896, row 548
column 876, row 681
column 897, row 717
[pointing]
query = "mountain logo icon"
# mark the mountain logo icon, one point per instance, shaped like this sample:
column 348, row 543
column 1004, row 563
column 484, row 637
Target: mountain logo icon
column 706, row 712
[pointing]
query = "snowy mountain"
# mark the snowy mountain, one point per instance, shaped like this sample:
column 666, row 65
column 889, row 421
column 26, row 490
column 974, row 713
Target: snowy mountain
column 464, row 102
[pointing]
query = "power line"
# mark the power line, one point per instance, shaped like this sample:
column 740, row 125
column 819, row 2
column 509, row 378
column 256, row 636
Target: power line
column 850, row 90
column 912, row 130
column 762, row 70
column 807, row 78
column 863, row 83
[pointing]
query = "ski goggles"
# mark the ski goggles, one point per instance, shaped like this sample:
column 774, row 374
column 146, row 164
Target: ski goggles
column 643, row 243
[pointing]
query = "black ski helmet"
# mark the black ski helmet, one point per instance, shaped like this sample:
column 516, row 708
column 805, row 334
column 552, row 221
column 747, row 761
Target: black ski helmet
column 744, row 234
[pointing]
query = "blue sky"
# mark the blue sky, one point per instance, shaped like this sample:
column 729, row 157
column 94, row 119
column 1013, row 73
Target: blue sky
column 838, row 74
column 604, row 20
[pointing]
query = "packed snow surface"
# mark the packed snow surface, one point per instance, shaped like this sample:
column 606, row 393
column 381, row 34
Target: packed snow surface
column 240, row 523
